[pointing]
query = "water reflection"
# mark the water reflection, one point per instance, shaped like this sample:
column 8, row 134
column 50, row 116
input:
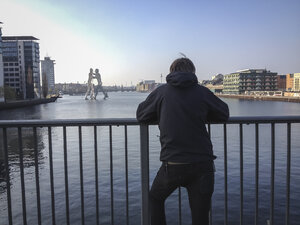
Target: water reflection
column 28, row 147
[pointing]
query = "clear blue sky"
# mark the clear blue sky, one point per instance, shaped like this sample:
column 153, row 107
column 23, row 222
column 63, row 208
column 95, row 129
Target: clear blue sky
column 134, row 40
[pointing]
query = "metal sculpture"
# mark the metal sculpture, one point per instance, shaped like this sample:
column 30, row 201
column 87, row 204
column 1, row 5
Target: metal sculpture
column 92, row 89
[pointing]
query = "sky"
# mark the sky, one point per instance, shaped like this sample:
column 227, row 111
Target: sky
column 130, row 41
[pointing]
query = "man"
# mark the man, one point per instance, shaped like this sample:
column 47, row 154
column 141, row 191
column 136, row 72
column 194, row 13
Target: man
column 181, row 108
column 90, row 87
column 99, row 87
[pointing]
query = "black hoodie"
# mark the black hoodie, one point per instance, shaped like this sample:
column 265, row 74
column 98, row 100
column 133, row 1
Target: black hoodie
column 181, row 108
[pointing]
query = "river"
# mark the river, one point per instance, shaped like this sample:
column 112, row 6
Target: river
column 123, row 105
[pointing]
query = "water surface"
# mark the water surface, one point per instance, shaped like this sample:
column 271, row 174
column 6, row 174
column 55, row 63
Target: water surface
column 123, row 105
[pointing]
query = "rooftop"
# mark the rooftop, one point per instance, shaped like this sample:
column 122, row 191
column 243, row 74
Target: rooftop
column 19, row 38
column 251, row 70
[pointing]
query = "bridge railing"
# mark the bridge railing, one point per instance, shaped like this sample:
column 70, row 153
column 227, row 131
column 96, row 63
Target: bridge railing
column 144, row 159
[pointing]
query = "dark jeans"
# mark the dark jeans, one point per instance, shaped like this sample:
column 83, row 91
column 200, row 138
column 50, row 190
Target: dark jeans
column 197, row 178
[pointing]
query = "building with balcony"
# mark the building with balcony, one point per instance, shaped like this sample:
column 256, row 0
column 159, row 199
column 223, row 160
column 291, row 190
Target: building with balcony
column 281, row 82
column 296, row 86
column 289, row 81
column 47, row 66
column 249, row 80
column 21, row 64
column 1, row 69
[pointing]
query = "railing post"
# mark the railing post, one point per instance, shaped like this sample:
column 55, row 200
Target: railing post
column 144, row 142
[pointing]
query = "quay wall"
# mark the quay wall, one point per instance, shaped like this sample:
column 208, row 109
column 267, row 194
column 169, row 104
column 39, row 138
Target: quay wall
column 262, row 98
column 25, row 103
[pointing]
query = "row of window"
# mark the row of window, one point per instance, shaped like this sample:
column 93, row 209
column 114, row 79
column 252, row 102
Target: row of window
column 11, row 69
column 12, row 79
column 9, row 44
column 11, row 74
column 10, row 64
column 10, row 49
column 10, row 54
column 12, row 84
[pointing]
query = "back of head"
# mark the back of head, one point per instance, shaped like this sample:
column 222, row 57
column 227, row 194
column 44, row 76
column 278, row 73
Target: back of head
column 182, row 73
column 182, row 65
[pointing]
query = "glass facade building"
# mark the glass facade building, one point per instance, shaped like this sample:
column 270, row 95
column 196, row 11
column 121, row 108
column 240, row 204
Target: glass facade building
column 1, row 70
column 47, row 66
column 21, row 66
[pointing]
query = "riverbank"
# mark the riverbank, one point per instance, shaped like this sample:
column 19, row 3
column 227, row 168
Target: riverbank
column 24, row 103
column 262, row 97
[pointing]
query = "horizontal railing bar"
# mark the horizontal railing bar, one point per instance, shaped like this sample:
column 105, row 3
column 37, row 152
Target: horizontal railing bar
column 69, row 122
column 133, row 121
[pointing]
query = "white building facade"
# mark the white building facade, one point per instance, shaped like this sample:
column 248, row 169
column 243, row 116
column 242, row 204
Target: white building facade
column 296, row 85
column 21, row 65
column 47, row 68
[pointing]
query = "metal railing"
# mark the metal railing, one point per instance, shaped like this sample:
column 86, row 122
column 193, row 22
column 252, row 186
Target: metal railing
column 144, row 157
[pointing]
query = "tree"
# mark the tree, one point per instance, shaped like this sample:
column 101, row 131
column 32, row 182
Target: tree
column 45, row 85
column 9, row 93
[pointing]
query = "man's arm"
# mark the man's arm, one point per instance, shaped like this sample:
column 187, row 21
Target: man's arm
column 147, row 111
column 218, row 110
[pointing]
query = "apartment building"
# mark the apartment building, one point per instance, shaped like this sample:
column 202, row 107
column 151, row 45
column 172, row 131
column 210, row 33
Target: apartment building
column 146, row 86
column 47, row 68
column 249, row 80
column 21, row 65
column 1, row 69
column 281, row 82
column 296, row 85
column 289, row 81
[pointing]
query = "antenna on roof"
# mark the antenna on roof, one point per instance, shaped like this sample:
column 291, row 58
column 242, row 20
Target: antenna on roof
column 184, row 56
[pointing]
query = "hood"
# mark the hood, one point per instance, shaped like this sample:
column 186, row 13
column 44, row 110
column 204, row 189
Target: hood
column 182, row 79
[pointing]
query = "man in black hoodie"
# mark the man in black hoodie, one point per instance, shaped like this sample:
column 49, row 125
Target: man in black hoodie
column 181, row 108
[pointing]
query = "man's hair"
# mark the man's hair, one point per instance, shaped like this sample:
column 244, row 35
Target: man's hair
column 183, row 65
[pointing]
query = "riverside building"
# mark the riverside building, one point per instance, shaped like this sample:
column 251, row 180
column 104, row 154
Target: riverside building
column 281, row 82
column 249, row 80
column 146, row 86
column 289, row 81
column 47, row 66
column 21, row 63
column 296, row 86
column 1, row 69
